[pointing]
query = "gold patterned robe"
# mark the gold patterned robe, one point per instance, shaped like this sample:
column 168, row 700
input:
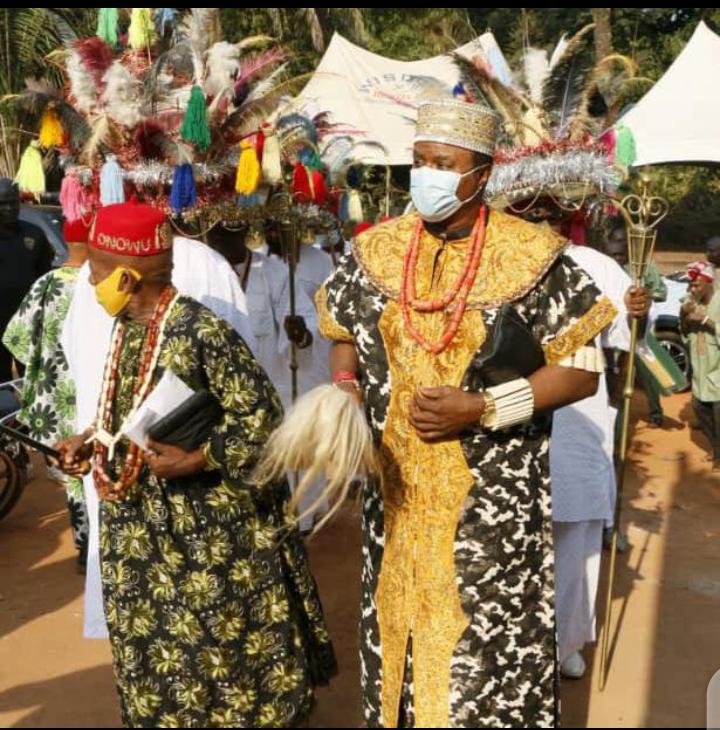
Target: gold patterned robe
column 457, row 617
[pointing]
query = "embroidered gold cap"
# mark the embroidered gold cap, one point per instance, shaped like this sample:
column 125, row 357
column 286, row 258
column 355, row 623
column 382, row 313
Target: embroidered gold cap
column 458, row 123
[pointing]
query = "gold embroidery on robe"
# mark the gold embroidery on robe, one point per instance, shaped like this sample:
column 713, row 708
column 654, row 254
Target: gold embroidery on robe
column 586, row 329
column 328, row 326
column 424, row 488
column 517, row 254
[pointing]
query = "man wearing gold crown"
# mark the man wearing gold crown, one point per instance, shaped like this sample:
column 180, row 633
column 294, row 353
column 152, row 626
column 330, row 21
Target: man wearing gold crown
column 213, row 615
column 461, row 328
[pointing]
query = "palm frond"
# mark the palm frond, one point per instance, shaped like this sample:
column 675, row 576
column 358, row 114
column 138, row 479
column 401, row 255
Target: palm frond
column 316, row 32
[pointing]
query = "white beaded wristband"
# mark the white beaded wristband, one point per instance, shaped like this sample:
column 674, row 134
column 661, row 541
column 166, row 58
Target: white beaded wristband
column 513, row 403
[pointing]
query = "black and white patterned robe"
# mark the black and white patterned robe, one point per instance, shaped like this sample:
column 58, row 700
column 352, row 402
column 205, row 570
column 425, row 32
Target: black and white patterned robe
column 457, row 626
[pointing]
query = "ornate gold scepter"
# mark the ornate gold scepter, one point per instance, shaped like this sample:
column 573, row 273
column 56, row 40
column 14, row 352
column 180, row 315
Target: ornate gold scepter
column 642, row 214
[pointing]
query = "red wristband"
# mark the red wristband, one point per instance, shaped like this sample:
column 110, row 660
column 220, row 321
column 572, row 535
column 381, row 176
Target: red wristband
column 344, row 376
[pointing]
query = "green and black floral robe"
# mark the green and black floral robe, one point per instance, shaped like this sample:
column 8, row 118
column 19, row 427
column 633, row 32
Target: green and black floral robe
column 213, row 614
column 48, row 394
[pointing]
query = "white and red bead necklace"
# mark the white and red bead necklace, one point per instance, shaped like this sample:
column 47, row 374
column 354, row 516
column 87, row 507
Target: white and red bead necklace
column 105, row 441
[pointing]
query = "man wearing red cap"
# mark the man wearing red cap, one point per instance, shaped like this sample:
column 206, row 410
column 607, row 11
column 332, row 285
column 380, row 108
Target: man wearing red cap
column 700, row 325
column 213, row 614
column 48, row 398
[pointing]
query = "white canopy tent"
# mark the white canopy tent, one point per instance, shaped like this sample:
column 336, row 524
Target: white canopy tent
column 375, row 98
column 678, row 120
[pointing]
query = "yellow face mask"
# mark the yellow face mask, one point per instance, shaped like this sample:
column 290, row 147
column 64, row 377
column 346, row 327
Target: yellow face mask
column 108, row 293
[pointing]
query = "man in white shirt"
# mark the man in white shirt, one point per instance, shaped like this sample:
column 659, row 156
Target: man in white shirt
column 266, row 282
column 582, row 472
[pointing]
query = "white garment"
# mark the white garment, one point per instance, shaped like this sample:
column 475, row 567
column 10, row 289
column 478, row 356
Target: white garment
column 313, row 268
column 582, row 474
column 578, row 546
column 268, row 301
column 268, row 297
column 198, row 272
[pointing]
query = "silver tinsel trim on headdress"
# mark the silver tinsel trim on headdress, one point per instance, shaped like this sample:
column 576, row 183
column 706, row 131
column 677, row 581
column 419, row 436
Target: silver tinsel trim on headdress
column 567, row 175
column 152, row 173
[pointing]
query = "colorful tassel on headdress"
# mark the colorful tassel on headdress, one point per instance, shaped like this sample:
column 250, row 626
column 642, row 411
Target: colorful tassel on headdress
column 183, row 193
column 194, row 127
column 30, row 176
column 248, row 201
column 302, row 191
column 111, row 182
column 248, row 169
column 271, row 163
column 74, row 199
column 362, row 227
column 608, row 141
column 51, row 133
column 625, row 151
column 309, row 157
column 355, row 209
column 107, row 26
column 260, row 144
column 141, row 33
column 319, row 188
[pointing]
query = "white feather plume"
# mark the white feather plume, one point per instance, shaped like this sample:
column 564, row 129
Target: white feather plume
column 264, row 87
column 336, row 153
column 202, row 27
column 324, row 431
column 222, row 65
column 559, row 50
column 121, row 98
column 82, row 86
column 536, row 68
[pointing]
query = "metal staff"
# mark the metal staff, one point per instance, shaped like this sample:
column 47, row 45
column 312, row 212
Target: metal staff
column 289, row 239
column 642, row 214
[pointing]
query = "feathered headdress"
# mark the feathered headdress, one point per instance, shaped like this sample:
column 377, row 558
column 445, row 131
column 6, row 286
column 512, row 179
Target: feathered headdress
column 555, row 143
column 181, row 98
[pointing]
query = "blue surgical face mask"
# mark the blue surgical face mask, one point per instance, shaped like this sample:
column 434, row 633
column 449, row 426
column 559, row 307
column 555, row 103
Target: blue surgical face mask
column 434, row 192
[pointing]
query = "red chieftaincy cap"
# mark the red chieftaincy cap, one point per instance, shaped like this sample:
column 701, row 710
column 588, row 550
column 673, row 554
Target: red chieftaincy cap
column 131, row 229
column 76, row 231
